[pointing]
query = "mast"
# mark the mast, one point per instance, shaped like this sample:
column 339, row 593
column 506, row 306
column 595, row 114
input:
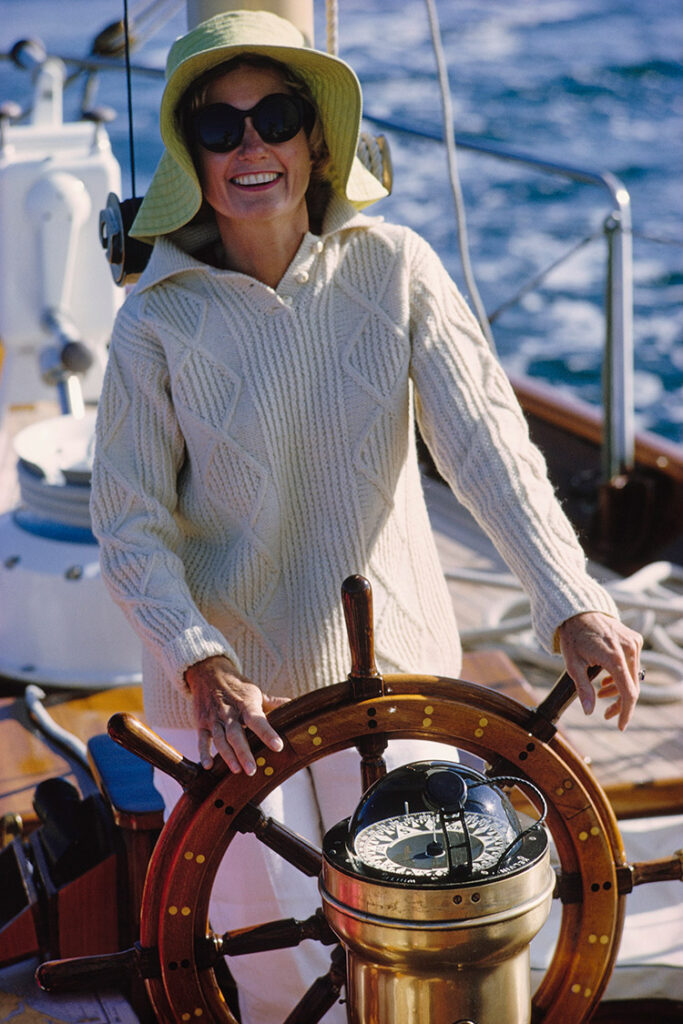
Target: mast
column 299, row 12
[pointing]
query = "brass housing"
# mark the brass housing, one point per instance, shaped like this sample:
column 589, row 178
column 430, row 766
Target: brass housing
column 451, row 955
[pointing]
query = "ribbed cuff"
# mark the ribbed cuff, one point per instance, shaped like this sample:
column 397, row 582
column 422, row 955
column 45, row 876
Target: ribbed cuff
column 565, row 605
column 193, row 645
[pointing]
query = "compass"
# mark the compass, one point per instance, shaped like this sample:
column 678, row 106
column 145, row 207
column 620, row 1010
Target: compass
column 434, row 823
column 423, row 845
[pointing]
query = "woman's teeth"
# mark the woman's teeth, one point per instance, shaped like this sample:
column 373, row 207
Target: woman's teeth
column 255, row 179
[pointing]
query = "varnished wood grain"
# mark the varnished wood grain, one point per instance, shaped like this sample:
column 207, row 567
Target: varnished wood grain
column 27, row 757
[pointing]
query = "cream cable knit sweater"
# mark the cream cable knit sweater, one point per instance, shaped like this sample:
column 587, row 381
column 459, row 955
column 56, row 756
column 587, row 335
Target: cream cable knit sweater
column 255, row 447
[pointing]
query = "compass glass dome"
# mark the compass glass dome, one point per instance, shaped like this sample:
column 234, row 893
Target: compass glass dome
column 434, row 822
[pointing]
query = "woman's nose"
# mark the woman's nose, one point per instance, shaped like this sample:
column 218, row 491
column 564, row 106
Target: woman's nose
column 251, row 140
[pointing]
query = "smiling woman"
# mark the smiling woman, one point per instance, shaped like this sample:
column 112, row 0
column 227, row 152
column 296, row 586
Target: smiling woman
column 256, row 445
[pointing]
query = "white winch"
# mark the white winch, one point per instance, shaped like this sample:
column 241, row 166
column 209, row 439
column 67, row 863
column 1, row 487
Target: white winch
column 58, row 625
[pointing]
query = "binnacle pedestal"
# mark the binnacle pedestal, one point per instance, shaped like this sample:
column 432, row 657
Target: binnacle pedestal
column 436, row 890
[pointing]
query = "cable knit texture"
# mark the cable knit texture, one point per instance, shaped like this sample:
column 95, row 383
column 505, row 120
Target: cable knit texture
column 256, row 446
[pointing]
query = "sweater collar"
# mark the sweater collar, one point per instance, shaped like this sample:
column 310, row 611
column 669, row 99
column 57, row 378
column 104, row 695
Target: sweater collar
column 173, row 255
column 341, row 215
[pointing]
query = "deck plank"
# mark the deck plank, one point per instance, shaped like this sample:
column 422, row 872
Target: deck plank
column 22, row 1002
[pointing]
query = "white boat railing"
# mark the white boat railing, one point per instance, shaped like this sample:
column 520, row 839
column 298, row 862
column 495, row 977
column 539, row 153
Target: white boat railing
column 618, row 447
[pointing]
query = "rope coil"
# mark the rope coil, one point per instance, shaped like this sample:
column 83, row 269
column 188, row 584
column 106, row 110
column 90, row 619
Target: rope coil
column 648, row 605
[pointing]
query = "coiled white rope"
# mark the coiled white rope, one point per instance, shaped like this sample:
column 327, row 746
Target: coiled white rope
column 644, row 601
column 371, row 154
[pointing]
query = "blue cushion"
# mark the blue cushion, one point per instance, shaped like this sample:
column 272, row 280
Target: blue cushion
column 126, row 778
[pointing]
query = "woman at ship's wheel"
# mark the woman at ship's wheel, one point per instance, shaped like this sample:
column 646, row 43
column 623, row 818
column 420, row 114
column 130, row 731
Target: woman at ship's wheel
column 255, row 446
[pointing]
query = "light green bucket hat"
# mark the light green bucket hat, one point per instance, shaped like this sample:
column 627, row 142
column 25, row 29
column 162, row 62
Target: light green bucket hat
column 174, row 195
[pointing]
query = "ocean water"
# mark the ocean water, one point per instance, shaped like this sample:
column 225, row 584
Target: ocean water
column 597, row 84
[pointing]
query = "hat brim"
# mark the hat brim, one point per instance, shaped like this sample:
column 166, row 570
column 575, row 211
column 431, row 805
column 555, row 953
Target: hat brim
column 174, row 195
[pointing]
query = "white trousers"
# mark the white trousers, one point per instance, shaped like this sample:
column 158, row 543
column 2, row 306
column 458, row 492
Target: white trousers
column 253, row 885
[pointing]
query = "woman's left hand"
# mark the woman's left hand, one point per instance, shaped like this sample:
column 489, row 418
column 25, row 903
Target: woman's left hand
column 596, row 639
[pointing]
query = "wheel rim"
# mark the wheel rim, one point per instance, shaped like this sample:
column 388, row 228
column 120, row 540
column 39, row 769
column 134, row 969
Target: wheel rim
column 174, row 917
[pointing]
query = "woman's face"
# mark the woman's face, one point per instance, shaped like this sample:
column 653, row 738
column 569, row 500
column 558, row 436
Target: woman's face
column 256, row 181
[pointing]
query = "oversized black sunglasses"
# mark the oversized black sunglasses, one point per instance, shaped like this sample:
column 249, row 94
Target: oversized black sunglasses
column 278, row 117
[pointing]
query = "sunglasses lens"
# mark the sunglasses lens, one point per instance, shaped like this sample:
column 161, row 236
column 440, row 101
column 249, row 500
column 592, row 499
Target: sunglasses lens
column 277, row 118
column 219, row 127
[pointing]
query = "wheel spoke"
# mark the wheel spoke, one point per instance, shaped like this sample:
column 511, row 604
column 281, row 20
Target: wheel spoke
column 357, row 603
column 293, row 848
column 563, row 693
column 130, row 733
column 669, row 869
column 281, row 934
column 96, row 972
column 372, row 765
column 569, row 887
column 322, row 994
column 541, row 722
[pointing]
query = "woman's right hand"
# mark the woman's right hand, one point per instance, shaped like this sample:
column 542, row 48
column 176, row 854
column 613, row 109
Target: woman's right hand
column 225, row 703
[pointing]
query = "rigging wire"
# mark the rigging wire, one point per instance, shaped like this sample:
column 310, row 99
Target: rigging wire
column 449, row 139
column 659, row 241
column 538, row 278
column 129, row 92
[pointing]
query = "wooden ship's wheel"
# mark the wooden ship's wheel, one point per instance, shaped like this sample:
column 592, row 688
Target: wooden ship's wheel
column 180, row 957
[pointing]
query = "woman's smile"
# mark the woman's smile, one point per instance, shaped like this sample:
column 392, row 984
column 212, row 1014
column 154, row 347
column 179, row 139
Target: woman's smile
column 256, row 180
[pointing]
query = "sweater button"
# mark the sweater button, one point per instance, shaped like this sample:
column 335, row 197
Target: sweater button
column 318, row 247
column 301, row 276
